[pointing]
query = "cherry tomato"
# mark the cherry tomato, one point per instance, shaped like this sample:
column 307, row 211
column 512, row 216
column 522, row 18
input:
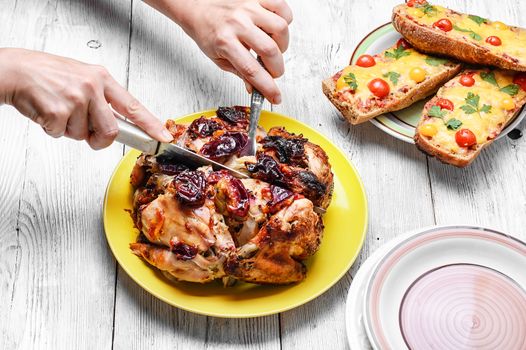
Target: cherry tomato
column 467, row 80
column 507, row 103
column 418, row 75
column 412, row 3
column 444, row 103
column 499, row 25
column 520, row 79
column 365, row 61
column 494, row 40
column 443, row 24
column 428, row 130
column 379, row 87
column 402, row 42
column 465, row 138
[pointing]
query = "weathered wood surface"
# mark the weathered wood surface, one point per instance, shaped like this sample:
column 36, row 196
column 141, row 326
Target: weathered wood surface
column 60, row 286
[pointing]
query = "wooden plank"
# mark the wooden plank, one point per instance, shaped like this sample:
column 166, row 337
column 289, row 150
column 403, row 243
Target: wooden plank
column 59, row 274
column 489, row 192
column 324, row 35
column 173, row 78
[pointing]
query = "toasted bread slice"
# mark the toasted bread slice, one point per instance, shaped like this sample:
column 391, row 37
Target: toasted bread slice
column 463, row 37
column 348, row 89
column 482, row 101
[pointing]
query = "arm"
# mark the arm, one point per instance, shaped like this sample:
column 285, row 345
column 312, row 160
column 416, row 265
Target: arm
column 226, row 30
column 70, row 98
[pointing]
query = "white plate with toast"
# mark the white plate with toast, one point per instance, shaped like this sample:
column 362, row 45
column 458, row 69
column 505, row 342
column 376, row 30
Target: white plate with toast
column 401, row 124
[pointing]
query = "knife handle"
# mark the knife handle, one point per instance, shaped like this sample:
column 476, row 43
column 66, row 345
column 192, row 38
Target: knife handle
column 131, row 135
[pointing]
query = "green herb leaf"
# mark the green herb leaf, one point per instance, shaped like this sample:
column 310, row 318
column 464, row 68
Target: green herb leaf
column 473, row 100
column 477, row 19
column 393, row 76
column 512, row 89
column 436, row 112
column 486, row 109
column 428, row 9
column 471, row 33
column 489, row 77
column 397, row 53
column 350, row 79
column 453, row 124
column 468, row 109
column 435, row 61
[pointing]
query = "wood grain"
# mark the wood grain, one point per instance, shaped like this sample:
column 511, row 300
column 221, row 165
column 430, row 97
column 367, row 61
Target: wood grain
column 58, row 276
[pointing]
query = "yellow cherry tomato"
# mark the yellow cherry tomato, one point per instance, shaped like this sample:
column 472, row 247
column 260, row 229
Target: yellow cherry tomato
column 415, row 12
column 428, row 130
column 507, row 103
column 499, row 25
column 417, row 74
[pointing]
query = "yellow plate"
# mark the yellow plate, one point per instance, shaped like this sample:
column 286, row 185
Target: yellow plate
column 345, row 229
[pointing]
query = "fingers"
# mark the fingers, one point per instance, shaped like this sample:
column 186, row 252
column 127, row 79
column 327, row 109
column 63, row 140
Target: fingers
column 128, row 106
column 104, row 127
column 77, row 126
column 251, row 71
column 276, row 27
column 267, row 49
column 279, row 7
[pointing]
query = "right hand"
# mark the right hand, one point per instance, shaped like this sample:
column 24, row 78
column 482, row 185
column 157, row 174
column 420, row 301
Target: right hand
column 70, row 98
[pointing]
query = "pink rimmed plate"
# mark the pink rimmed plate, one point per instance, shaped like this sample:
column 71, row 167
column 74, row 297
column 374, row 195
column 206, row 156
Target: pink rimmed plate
column 455, row 287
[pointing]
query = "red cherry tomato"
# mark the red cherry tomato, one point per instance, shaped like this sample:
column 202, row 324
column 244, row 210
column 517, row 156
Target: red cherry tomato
column 520, row 79
column 365, row 61
column 379, row 87
column 494, row 40
column 467, row 80
column 465, row 138
column 412, row 3
column 443, row 24
column 444, row 103
column 402, row 42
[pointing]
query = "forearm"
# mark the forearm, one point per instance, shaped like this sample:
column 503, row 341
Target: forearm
column 8, row 74
column 177, row 10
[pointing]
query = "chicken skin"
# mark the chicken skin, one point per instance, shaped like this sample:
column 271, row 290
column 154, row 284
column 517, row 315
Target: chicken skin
column 200, row 225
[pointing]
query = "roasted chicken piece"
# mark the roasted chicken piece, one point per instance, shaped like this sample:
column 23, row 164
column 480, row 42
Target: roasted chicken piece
column 274, row 255
column 199, row 225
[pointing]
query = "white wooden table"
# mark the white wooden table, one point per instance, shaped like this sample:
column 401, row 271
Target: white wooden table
column 60, row 287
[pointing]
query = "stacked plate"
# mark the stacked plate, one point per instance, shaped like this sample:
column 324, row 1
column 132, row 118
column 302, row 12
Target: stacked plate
column 451, row 287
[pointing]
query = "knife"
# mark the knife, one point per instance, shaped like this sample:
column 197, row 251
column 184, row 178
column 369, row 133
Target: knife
column 256, row 104
column 131, row 135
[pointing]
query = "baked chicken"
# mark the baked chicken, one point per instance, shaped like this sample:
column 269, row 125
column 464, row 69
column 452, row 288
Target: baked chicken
column 199, row 225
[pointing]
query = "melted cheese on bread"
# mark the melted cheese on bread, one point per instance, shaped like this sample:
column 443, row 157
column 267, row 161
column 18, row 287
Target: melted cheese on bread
column 472, row 29
column 384, row 65
column 485, row 125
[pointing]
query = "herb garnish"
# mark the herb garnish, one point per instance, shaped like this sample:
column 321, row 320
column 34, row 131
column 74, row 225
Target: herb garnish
column 471, row 33
column 453, row 124
column 350, row 79
column 472, row 105
column 393, row 76
column 437, row 112
column 477, row 19
column 397, row 53
column 511, row 89
column 435, row 61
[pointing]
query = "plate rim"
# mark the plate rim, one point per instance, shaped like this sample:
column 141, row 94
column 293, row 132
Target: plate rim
column 512, row 123
column 395, row 248
column 363, row 233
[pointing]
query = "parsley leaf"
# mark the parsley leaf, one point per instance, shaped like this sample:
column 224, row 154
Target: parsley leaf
column 453, row 124
column 472, row 34
column 489, row 77
column 397, row 53
column 436, row 112
column 472, row 105
column 512, row 89
column 428, row 9
column 477, row 19
column 350, row 79
column 435, row 61
column 393, row 76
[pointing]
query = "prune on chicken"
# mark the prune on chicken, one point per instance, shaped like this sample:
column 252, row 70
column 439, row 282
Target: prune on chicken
column 232, row 196
column 203, row 127
column 265, row 168
column 233, row 115
column 225, row 145
column 288, row 150
column 184, row 251
column 190, row 188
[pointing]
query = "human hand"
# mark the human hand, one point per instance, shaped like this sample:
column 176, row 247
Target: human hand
column 70, row 98
column 226, row 30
